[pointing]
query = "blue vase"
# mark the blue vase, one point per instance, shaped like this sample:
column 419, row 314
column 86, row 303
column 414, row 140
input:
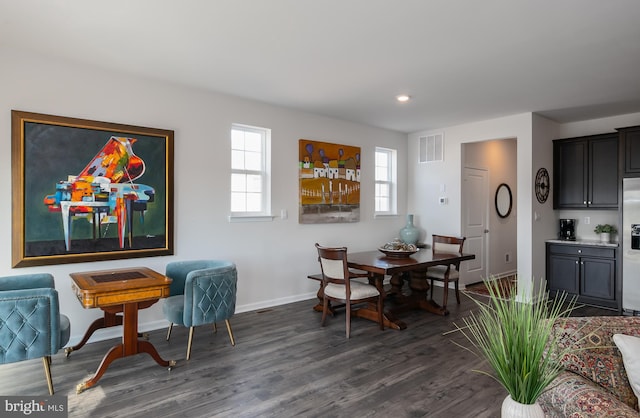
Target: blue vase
column 409, row 234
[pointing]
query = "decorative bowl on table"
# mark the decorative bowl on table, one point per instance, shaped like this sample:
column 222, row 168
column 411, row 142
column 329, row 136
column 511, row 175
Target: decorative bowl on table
column 398, row 249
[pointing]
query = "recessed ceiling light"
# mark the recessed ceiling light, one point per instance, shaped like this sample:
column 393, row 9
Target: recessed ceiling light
column 403, row 98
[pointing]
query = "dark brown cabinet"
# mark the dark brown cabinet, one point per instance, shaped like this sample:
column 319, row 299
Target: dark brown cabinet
column 585, row 172
column 630, row 140
column 587, row 271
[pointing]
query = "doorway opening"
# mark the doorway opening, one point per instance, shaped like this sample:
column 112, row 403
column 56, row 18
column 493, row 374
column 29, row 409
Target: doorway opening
column 491, row 232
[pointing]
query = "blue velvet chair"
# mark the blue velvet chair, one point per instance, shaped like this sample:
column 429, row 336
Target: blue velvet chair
column 31, row 325
column 202, row 292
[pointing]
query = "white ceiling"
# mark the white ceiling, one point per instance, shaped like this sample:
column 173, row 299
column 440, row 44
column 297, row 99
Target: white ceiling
column 460, row 60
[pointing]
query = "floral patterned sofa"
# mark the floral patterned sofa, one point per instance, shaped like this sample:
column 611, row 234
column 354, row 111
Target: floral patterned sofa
column 594, row 382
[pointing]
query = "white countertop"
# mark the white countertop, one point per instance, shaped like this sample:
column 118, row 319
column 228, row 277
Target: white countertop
column 594, row 243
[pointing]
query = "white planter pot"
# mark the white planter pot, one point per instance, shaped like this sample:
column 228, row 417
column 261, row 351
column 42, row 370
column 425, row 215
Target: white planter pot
column 513, row 409
column 605, row 237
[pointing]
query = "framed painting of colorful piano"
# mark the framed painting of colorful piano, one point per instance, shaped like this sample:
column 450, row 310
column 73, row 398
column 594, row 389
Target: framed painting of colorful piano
column 85, row 190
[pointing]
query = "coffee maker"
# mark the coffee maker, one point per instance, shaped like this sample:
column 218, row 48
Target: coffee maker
column 568, row 229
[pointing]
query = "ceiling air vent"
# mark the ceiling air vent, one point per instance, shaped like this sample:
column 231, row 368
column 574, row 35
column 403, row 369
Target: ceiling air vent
column 431, row 148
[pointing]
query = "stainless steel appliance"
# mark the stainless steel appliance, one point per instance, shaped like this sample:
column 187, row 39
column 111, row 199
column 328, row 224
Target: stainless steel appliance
column 631, row 246
column 567, row 229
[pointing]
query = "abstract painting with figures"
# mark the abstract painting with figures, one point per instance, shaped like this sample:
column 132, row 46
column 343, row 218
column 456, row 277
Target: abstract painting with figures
column 329, row 177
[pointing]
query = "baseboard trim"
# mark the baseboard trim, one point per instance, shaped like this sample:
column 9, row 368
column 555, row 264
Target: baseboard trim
column 116, row 332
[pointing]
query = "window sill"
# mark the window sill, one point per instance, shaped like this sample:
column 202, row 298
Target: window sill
column 385, row 215
column 250, row 218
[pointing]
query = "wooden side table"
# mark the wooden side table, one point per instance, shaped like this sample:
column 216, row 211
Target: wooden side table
column 114, row 291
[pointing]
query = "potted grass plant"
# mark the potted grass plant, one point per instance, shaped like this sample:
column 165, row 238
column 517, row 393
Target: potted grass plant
column 514, row 338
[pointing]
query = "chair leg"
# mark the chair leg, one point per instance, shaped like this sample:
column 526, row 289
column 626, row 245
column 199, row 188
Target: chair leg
column 380, row 308
column 169, row 331
column 431, row 289
column 215, row 327
column 348, row 318
column 233, row 341
column 446, row 293
column 46, row 362
column 457, row 292
column 325, row 309
column 189, row 343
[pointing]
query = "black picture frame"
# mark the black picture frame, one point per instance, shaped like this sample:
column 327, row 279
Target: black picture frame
column 503, row 200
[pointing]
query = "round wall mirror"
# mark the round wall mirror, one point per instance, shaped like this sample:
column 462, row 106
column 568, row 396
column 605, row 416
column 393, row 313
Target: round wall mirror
column 504, row 200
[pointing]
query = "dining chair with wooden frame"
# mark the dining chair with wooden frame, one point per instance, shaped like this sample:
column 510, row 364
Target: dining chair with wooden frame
column 446, row 273
column 338, row 286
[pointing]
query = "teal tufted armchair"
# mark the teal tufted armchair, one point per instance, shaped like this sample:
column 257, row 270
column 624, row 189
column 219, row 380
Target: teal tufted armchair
column 202, row 292
column 31, row 325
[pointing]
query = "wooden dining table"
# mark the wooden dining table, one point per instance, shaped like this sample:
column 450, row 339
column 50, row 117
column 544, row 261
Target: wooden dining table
column 412, row 269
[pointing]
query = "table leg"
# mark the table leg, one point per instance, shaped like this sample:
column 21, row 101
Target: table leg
column 130, row 329
column 110, row 319
column 418, row 296
column 389, row 319
column 370, row 312
column 396, row 283
column 130, row 345
column 114, row 353
column 147, row 347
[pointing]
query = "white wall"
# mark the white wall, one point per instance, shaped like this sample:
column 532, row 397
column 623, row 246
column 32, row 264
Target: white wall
column 273, row 258
column 545, row 219
column 597, row 126
column 425, row 181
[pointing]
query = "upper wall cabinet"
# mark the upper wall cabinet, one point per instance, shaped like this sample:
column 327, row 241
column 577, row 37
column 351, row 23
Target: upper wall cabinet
column 630, row 142
column 585, row 172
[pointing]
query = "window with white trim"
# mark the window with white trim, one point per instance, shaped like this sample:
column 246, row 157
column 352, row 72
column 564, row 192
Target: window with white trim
column 250, row 171
column 386, row 181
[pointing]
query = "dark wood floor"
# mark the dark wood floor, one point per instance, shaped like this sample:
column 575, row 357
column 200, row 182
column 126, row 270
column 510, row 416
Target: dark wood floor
column 284, row 365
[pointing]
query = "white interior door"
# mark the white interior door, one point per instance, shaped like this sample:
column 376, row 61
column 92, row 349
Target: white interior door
column 475, row 219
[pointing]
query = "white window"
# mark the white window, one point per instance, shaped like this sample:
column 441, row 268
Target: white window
column 386, row 181
column 250, row 171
